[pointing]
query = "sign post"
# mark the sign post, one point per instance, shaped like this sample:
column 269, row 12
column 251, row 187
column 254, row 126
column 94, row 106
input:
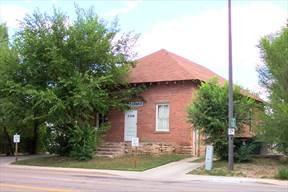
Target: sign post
column 209, row 157
column 135, row 144
column 16, row 140
column 230, row 105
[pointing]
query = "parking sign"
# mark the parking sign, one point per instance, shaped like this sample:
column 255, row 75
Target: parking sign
column 16, row 138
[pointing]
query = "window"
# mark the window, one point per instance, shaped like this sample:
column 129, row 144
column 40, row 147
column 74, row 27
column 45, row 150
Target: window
column 99, row 119
column 162, row 117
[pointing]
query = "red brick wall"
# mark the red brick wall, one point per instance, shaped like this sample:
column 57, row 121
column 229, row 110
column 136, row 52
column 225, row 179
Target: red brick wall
column 116, row 132
column 178, row 96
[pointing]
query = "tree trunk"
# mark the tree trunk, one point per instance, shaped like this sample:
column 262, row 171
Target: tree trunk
column 33, row 149
column 9, row 146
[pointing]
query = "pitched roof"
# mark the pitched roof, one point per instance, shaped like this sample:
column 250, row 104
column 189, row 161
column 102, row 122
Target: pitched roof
column 166, row 66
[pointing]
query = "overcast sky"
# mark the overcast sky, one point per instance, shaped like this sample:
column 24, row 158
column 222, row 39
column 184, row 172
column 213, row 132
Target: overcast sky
column 195, row 29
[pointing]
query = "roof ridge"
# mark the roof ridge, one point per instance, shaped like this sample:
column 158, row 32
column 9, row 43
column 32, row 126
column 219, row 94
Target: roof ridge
column 151, row 54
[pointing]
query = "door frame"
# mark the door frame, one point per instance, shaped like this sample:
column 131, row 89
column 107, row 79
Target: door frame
column 125, row 124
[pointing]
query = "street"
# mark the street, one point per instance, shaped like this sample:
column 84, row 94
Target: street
column 21, row 178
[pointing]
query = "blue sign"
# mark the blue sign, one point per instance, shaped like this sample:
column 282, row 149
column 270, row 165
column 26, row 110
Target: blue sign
column 136, row 103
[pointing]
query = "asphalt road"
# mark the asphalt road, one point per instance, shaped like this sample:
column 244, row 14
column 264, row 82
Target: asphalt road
column 25, row 179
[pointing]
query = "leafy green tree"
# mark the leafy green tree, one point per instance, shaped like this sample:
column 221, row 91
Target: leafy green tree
column 8, row 110
column 274, row 77
column 209, row 113
column 68, row 71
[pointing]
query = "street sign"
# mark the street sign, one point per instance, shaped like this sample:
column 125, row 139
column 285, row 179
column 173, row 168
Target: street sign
column 233, row 123
column 231, row 131
column 16, row 138
column 209, row 157
column 135, row 142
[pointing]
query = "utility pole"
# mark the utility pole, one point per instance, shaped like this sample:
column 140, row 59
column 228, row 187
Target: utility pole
column 231, row 127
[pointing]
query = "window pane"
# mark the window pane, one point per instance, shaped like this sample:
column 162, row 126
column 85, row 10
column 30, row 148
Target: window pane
column 160, row 124
column 163, row 117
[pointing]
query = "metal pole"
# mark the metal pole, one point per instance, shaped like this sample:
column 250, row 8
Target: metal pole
column 230, row 110
column 16, row 152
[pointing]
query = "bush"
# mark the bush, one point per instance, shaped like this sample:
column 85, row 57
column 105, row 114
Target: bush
column 82, row 141
column 221, row 148
column 57, row 140
column 243, row 153
column 282, row 173
column 78, row 140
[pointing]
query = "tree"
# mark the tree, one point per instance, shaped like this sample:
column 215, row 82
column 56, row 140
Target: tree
column 9, row 123
column 68, row 71
column 209, row 113
column 273, row 76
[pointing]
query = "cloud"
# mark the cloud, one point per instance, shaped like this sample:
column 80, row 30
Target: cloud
column 128, row 6
column 204, row 38
column 54, row 2
column 11, row 15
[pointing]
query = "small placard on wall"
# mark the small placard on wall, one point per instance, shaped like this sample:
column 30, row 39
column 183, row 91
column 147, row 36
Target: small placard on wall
column 135, row 142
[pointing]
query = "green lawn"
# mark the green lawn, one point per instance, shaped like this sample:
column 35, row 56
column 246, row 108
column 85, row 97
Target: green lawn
column 126, row 162
column 257, row 168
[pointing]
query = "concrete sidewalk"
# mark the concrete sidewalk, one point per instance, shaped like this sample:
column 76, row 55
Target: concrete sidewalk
column 7, row 160
column 172, row 170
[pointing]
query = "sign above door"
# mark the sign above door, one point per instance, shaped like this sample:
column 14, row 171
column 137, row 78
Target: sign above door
column 136, row 103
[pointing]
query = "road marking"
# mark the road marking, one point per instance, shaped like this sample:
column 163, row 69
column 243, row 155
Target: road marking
column 2, row 185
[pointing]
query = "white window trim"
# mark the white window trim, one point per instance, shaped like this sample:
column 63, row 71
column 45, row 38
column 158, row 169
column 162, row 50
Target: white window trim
column 156, row 108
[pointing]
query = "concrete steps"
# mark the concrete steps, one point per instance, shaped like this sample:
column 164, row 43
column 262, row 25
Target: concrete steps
column 110, row 149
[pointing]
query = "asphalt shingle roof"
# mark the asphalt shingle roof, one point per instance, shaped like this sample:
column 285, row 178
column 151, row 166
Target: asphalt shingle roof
column 164, row 66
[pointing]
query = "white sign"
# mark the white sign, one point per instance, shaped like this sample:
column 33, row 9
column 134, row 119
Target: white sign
column 231, row 131
column 209, row 157
column 135, row 142
column 16, row 138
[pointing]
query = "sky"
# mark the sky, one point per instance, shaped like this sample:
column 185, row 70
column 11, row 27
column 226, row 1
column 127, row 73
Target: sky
column 194, row 29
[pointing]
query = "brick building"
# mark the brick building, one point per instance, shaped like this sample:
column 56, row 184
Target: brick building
column 159, row 120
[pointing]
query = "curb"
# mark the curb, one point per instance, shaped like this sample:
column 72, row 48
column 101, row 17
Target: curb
column 100, row 172
column 237, row 180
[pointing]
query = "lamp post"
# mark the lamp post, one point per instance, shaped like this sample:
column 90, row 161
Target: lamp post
column 230, row 109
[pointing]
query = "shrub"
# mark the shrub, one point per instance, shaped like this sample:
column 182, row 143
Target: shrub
column 282, row 173
column 57, row 140
column 243, row 153
column 221, row 148
column 208, row 113
column 82, row 141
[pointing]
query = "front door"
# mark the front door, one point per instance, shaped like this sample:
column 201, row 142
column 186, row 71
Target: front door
column 130, row 129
